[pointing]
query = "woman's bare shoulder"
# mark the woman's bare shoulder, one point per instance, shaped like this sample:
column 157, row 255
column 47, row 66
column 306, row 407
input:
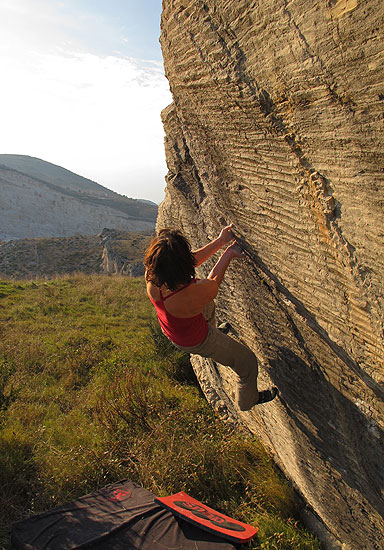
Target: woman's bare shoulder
column 153, row 291
column 192, row 299
column 204, row 288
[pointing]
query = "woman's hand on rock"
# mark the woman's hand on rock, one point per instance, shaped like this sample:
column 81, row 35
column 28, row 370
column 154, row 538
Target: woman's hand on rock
column 226, row 234
column 235, row 251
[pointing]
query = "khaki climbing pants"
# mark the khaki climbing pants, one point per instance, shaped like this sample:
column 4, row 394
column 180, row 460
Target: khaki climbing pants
column 228, row 352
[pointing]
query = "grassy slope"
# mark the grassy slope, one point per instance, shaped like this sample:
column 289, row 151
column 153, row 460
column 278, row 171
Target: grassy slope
column 91, row 392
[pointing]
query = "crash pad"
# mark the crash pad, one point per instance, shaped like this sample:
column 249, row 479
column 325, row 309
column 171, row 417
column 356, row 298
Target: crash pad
column 206, row 518
column 119, row 516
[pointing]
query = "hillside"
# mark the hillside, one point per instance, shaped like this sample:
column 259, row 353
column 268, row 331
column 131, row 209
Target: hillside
column 277, row 126
column 111, row 251
column 40, row 199
column 91, row 392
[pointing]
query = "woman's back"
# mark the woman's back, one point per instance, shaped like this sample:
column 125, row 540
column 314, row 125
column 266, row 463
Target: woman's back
column 187, row 300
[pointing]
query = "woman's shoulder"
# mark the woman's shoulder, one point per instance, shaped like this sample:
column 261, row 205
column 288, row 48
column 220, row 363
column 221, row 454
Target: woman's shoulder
column 204, row 288
column 204, row 282
column 153, row 291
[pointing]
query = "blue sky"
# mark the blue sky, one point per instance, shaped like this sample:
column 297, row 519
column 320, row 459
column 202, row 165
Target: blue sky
column 131, row 27
column 83, row 87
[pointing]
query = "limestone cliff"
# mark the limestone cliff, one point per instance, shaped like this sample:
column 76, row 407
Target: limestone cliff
column 277, row 126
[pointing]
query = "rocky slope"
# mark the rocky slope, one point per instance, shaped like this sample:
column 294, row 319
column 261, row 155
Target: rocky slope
column 40, row 199
column 277, row 126
column 111, row 252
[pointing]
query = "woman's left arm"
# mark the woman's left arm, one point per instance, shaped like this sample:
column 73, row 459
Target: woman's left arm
column 225, row 237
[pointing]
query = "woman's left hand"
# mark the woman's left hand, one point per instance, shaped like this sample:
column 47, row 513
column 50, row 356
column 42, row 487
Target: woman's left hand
column 226, row 234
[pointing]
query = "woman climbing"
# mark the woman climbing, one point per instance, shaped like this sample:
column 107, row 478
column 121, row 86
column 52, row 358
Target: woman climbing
column 185, row 307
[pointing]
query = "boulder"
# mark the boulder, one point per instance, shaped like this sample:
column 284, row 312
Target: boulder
column 277, row 126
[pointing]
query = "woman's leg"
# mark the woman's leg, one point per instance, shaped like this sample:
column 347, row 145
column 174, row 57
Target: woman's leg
column 226, row 351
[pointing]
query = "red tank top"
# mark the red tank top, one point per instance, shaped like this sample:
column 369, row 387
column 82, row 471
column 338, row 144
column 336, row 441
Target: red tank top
column 183, row 331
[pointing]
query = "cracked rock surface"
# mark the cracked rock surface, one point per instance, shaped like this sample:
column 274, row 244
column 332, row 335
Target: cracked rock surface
column 277, row 126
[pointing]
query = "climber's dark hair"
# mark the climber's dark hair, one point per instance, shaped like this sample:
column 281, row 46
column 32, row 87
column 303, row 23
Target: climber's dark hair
column 169, row 260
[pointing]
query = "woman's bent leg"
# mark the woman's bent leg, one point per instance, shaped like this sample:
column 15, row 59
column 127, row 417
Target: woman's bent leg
column 225, row 350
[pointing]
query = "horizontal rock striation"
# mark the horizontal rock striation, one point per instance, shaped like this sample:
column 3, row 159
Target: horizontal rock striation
column 277, row 126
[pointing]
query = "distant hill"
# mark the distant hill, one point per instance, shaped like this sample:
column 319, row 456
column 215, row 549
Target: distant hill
column 111, row 251
column 40, row 199
column 145, row 201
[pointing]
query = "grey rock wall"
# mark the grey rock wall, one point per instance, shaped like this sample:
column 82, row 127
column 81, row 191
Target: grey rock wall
column 277, row 126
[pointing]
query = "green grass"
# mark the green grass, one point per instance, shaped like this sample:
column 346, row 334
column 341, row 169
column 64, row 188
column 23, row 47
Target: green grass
column 91, row 392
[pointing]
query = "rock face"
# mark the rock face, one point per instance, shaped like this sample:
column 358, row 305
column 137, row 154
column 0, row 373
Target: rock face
column 277, row 126
column 40, row 199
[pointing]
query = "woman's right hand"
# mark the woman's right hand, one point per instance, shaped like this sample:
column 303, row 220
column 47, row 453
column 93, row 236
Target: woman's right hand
column 235, row 251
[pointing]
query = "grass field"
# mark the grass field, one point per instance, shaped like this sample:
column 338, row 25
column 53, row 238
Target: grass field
column 91, row 392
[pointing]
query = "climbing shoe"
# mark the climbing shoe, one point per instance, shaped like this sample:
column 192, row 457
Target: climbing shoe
column 224, row 327
column 267, row 395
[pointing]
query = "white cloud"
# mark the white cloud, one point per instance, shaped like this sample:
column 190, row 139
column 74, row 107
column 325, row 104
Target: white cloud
column 37, row 24
column 96, row 115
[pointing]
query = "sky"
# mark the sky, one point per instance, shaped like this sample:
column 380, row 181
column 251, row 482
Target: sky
column 83, row 86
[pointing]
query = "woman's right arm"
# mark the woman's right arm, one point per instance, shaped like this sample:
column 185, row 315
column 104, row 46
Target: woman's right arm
column 206, row 290
column 205, row 252
column 217, row 273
